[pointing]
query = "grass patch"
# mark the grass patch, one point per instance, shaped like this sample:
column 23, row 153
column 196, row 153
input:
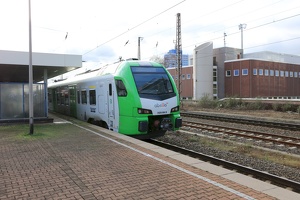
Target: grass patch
column 41, row 131
column 249, row 150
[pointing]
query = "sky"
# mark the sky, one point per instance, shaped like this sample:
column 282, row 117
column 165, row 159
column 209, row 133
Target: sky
column 103, row 31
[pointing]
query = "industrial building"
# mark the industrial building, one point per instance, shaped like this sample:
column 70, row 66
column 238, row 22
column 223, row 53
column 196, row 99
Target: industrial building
column 221, row 72
column 251, row 78
column 14, row 81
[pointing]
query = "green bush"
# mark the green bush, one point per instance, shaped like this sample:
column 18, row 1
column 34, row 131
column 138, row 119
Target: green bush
column 276, row 107
column 207, row 102
column 287, row 107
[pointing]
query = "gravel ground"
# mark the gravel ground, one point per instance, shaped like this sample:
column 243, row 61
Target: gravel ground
column 183, row 139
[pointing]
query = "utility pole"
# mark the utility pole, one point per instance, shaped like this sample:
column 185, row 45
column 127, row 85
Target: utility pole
column 242, row 27
column 139, row 47
column 179, row 53
column 225, row 39
column 30, row 75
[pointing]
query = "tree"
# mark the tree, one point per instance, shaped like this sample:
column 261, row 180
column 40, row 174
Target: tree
column 157, row 59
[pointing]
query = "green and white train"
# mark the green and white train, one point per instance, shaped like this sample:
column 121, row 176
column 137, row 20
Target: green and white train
column 136, row 98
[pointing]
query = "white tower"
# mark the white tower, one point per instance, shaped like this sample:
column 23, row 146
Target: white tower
column 203, row 71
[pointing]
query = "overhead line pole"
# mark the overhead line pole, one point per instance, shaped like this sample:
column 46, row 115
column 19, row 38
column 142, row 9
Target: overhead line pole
column 179, row 52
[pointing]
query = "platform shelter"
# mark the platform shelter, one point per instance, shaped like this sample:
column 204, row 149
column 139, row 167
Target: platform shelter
column 14, row 81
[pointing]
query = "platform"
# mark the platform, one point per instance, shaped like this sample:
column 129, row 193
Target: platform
column 88, row 162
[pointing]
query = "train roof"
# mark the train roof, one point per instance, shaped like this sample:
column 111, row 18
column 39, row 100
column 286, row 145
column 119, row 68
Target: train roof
column 103, row 70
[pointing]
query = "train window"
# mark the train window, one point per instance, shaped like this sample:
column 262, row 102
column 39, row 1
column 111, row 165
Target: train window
column 83, row 97
column 92, row 97
column 78, row 96
column 110, row 89
column 57, row 97
column 66, row 97
column 121, row 89
column 152, row 80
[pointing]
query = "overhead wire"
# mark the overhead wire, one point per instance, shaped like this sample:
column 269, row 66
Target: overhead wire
column 130, row 29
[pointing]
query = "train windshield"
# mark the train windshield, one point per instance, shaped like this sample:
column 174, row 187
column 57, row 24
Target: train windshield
column 152, row 81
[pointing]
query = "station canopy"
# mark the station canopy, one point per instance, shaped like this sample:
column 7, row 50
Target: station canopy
column 14, row 65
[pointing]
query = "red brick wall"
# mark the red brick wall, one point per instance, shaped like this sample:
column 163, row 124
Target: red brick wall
column 263, row 85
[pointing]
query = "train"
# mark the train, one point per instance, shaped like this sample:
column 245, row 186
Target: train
column 133, row 97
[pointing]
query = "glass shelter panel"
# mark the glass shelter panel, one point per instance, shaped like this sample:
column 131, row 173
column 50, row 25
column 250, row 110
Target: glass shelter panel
column 11, row 105
column 14, row 100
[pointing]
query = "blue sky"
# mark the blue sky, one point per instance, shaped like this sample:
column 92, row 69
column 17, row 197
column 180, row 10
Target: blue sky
column 99, row 29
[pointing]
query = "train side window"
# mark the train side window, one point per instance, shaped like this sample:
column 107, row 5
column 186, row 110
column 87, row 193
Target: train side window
column 78, row 97
column 121, row 89
column 83, row 97
column 92, row 94
column 110, row 89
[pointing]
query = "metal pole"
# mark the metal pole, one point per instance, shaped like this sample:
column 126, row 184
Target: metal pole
column 139, row 47
column 241, row 27
column 30, row 76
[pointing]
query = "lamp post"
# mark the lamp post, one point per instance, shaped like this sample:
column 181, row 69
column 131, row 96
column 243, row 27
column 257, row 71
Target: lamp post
column 30, row 76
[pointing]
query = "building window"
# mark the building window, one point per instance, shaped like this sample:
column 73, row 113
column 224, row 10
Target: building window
column 291, row 74
column 266, row 72
column 286, row 74
column 276, row 72
column 281, row 73
column 188, row 76
column 295, row 74
column 244, row 72
column 236, row 72
column 254, row 71
column 271, row 72
column 299, row 75
column 182, row 76
column 261, row 72
column 228, row 73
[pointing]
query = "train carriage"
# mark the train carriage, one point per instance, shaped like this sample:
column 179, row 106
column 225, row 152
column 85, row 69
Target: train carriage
column 135, row 98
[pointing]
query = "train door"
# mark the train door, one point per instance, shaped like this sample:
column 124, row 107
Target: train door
column 72, row 96
column 111, row 105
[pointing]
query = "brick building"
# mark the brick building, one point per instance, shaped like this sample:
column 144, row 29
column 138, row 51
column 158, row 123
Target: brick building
column 251, row 78
column 186, row 81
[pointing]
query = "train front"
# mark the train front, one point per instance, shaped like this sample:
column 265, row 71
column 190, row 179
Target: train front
column 155, row 101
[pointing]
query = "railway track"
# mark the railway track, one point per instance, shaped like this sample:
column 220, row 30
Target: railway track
column 243, row 120
column 276, row 180
column 291, row 142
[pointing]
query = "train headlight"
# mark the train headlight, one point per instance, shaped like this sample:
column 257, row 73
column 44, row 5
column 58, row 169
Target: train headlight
column 175, row 109
column 144, row 111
